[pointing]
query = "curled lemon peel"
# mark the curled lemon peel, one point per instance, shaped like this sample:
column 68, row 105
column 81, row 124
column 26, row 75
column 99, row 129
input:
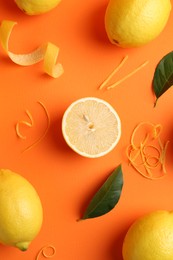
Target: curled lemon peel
column 47, row 52
column 43, row 252
column 143, row 160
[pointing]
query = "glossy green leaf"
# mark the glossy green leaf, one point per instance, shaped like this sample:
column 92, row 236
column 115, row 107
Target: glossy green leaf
column 107, row 196
column 163, row 76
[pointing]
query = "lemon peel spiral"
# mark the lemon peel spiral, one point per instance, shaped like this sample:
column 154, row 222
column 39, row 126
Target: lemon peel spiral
column 47, row 52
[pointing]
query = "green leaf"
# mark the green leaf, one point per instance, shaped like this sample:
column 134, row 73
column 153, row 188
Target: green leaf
column 163, row 76
column 107, row 196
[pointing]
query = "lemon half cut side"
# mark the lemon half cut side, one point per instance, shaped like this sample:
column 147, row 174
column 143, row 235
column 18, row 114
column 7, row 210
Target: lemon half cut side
column 91, row 127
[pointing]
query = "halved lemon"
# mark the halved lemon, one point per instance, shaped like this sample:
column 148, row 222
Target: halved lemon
column 91, row 127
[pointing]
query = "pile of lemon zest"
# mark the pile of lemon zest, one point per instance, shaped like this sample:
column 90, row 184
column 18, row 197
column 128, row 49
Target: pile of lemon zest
column 43, row 252
column 140, row 151
column 127, row 76
column 45, row 132
column 29, row 124
column 113, row 72
column 47, row 52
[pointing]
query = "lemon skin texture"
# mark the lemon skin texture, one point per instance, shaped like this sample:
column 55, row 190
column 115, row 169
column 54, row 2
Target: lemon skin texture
column 150, row 237
column 35, row 7
column 133, row 23
column 21, row 212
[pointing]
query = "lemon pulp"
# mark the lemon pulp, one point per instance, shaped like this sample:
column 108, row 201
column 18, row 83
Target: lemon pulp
column 91, row 127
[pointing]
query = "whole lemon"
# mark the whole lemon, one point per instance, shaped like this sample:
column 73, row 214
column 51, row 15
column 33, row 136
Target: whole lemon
column 21, row 211
column 133, row 23
column 150, row 237
column 34, row 7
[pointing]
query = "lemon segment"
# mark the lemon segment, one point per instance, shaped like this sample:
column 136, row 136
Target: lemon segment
column 91, row 127
column 150, row 237
column 133, row 23
column 35, row 7
column 21, row 212
column 47, row 52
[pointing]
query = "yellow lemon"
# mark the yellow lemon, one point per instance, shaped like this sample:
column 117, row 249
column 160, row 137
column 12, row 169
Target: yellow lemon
column 91, row 127
column 20, row 210
column 150, row 237
column 132, row 23
column 34, row 7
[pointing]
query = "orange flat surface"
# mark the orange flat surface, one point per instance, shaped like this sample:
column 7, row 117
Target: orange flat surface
column 64, row 180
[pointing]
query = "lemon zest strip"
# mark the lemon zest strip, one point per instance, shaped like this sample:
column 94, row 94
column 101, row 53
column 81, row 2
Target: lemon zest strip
column 43, row 252
column 113, row 72
column 163, row 156
column 45, row 132
column 47, row 52
column 128, row 75
column 24, row 123
column 18, row 131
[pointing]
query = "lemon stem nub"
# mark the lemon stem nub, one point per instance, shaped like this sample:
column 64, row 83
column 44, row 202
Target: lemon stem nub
column 23, row 246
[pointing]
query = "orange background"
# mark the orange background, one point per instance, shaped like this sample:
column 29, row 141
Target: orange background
column 64, row 180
